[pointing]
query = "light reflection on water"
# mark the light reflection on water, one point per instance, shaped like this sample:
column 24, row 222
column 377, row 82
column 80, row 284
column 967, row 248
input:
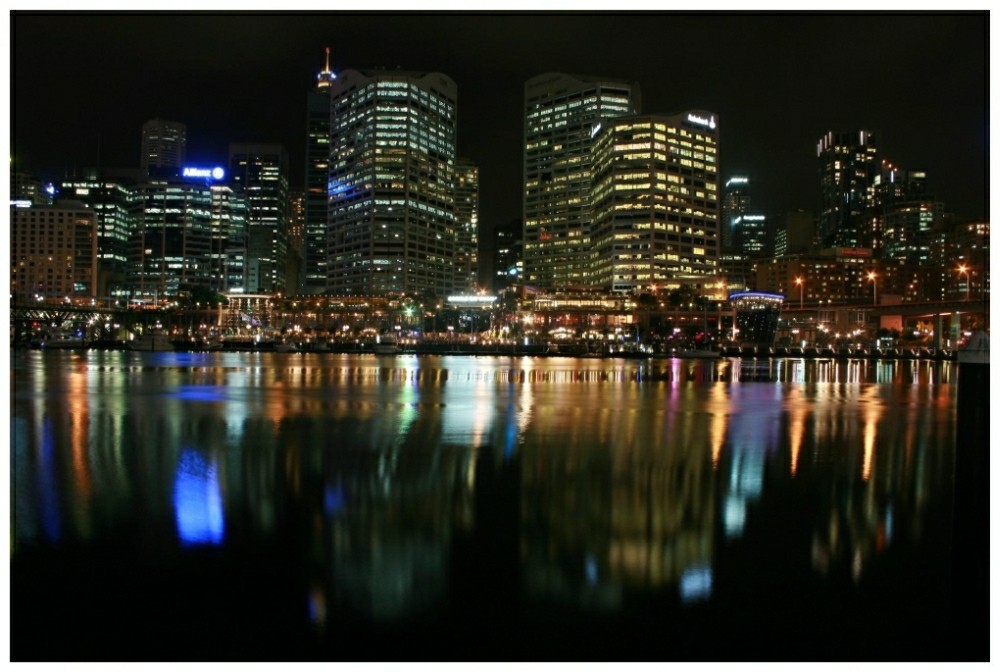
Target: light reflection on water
column 588, row 483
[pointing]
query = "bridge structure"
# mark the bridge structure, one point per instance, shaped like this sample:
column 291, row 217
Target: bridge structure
column 98, row 321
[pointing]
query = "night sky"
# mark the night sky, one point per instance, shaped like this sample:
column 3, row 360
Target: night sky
column 777, row 81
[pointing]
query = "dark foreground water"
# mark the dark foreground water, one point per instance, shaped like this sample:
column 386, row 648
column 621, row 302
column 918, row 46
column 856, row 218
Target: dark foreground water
column 231, row 506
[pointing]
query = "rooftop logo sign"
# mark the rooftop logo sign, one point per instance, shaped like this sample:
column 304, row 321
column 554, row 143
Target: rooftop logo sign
column 702, row 121
column 216, row 173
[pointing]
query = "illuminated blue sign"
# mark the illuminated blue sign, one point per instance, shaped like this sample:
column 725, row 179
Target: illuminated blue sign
column 216, row 173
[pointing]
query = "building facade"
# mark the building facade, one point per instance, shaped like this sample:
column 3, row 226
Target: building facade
column 655, row 201
column 392, row 183
column 562, row 114
column 260, row 173
column 112, row 200
column 53, row 253
column 170, row 245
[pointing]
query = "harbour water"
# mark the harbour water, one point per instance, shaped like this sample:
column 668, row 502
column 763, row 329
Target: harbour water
column 285, row 506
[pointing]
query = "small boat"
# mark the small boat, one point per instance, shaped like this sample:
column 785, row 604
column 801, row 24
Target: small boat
column 387, row 344
column 155, row 342
column 63, row 343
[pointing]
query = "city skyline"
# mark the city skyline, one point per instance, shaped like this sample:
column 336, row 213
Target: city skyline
column 778, row 81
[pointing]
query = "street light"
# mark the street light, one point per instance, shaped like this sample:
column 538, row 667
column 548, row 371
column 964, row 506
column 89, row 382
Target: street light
column 871, row 276
column 965, row 269
column 798, row 281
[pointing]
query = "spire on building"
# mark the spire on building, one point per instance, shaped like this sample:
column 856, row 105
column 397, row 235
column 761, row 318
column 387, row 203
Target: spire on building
column 325, row 76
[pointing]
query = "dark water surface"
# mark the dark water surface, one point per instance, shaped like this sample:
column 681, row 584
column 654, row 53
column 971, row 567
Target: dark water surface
column 267, row 506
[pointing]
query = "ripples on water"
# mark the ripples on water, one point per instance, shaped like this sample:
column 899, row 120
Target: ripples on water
column 272, row 506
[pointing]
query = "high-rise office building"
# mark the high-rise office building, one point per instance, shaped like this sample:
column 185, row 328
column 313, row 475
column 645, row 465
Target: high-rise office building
column 317, row 174
column 392, row 183
column 735, row 202
column 169, row 248
column 164, row 147
column 848, row 163
column 655, row 200
column 53, row 252
column 111, row 198
column 562, row 114
column 260, row 172
column 466, row 226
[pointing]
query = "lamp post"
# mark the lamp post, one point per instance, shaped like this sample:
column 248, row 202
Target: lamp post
column 963, row 269
column 798, row 281
column 872, row 276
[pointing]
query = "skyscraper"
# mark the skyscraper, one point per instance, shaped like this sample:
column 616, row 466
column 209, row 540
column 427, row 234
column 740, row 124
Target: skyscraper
column 392, row 183
column 848, row 163
column 655, row 200
column 466, row 226
column 317, row 173
column 164, row 147
column 561, row 116
column 260, row 172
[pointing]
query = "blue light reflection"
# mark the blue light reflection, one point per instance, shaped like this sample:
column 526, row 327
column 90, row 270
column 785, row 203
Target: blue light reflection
column 197, row 501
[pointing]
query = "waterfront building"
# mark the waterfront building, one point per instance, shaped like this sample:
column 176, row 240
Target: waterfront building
column 317, row 174
column 562, row 114
column 848, row 163
column 655, row 201
column 466, row 226
column 392, row 183
column 163, row 147
column 755, row 317
column 53, row 253
column 735, row 202
column 833, row 276
column 260, row 172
